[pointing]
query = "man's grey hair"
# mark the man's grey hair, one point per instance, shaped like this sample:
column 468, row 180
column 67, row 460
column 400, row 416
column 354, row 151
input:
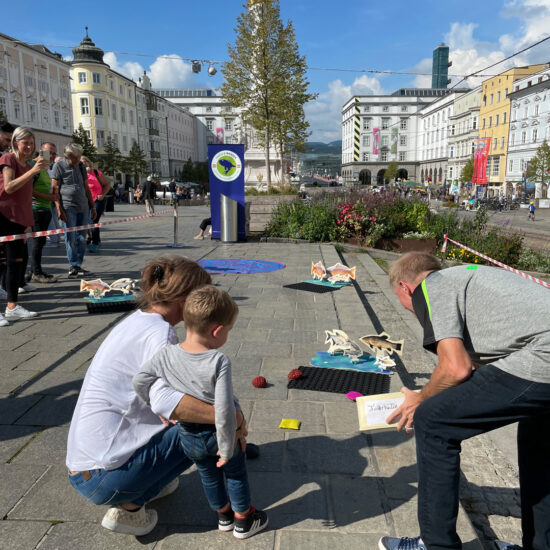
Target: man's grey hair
column 21, row 132
column 73, row 149
column 50, row 144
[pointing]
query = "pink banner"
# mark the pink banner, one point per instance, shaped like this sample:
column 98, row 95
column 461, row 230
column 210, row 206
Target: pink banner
column 375, row 140
column 481, row 155
column 219, row 135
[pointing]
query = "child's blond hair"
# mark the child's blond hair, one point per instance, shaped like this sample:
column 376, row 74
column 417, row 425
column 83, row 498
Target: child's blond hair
column 206, row 306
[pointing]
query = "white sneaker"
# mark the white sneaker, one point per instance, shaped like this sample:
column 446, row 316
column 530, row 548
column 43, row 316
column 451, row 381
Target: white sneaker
column 3, row 294
column 131, row 523
column 19, row 312
column 168, row 489
column 3, row 321
column 25, row 288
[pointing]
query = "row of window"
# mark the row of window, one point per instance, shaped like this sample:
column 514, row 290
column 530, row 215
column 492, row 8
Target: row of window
column 498, row 120
column 228, row 123
column 111, row 109
column 32, row 113
column 384, row 140
column 96, row 81
column 383, row 157
column 403, row 123
column 492, row 97
column 385, row 108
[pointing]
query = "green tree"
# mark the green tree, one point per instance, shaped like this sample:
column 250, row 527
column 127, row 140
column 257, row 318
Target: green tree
column 111, row 161
column 467, row 171
column 265, row 77
column 2, row 117
column 136, row 163
column 539, row 166
column 391, row 172
column 81, row 137
column 188, row 171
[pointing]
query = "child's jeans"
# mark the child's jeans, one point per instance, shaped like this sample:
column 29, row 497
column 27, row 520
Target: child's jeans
column 201, row 446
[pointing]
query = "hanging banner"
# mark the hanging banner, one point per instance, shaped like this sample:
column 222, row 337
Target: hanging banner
column 375, row 141
column 219, row 135
column 481, row 155
column 226, row 171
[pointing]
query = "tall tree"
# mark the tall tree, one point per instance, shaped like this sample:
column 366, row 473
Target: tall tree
column 188, row 172
column 391, row 172
column 111, row 161
column 82, row 138
column 136, row 162
column 467, row 171
column 265, row 76
column 539, row 166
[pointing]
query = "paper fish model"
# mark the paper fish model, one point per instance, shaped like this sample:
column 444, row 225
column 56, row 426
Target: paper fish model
column 340, row 272
column 382, row 343
column 95, row 288
column 384, row 361
column 318, row 271
column 125, row 285
column 339, row 342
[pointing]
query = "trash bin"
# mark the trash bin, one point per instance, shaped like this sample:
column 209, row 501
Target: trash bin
column 228, row 220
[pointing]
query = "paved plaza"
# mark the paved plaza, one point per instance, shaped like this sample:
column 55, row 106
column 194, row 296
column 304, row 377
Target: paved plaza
column 325, row 486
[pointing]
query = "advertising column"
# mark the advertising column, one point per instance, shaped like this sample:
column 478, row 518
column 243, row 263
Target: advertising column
column 226, row 170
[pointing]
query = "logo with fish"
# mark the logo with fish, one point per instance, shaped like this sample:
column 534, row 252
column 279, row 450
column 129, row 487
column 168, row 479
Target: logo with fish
column 227, row 166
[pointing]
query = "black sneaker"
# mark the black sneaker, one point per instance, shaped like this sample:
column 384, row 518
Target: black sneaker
column 83, row 272
column 73, row 273
column 226, row 520
column 253, row 523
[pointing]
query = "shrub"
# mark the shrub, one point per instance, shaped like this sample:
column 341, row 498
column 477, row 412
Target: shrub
column 532, row 260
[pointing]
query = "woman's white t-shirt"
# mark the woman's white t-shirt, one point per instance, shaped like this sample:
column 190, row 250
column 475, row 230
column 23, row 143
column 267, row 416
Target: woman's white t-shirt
column 110, row 422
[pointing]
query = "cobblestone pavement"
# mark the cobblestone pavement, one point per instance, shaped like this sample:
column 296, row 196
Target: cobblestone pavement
column 325, row 486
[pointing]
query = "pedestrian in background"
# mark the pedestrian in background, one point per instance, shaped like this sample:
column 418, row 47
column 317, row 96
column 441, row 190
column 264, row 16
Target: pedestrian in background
column 69, row 174
column 16, row 217
column 149, row 193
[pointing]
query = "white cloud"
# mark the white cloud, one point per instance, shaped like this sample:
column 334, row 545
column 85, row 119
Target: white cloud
column 325, row 114
column 169, row 71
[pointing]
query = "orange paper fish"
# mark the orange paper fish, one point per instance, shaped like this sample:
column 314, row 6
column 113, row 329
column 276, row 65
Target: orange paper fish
column 318, row 271
column 95, row 288
column 340, row 272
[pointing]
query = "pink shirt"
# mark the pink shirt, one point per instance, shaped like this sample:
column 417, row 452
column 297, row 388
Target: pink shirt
column 94, row 184
column 17, row 206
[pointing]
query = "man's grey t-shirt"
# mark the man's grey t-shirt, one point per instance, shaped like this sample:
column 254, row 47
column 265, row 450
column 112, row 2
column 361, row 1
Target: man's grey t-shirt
column 502, row 318
column 206, row 376
column 71, row 181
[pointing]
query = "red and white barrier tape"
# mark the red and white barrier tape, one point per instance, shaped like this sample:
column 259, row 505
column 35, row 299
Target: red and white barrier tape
column 500, row 264
column 77, row 228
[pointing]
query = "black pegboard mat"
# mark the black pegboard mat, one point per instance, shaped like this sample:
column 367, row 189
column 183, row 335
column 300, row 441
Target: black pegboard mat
column 311, row 287
column 340, row 381
column 111, row 307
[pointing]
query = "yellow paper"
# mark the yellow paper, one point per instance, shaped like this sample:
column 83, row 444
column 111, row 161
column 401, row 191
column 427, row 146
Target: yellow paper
column 290, row 423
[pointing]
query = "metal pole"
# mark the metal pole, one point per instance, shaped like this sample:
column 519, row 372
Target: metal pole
column 175, row 244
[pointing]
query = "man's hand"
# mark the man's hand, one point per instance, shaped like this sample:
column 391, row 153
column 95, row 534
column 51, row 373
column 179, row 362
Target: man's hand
column 405, row 413
column 62, row 216
column 221, row 461
column 93, row 214
column 242, row 432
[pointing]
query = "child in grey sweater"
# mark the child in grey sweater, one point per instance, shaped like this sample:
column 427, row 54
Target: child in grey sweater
column 196, row 367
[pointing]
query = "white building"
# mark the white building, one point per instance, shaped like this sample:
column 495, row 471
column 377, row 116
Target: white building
column 379, row 129
column 529, row 127
column 435, row 128
column 182, row 137
column 464, row 128
column 218, row 122
column 35, row 91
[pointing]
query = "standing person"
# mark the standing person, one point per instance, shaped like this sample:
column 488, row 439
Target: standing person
column 16, row 177
column 196, row 367
column 44, row 194
column 70, row 176
column 172, row 188
column 149, row 193
column 99, row 185
column 119, row 452
column 6, row 131
column 493, row 370
column 531, row 215
column 204, row 224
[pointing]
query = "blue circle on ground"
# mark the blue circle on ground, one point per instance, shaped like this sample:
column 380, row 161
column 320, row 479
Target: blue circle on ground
column 237, row 265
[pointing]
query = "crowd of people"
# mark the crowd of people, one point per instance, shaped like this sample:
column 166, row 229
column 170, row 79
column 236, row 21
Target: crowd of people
column 36, row 191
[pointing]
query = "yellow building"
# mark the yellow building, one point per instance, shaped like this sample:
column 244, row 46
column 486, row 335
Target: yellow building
column 103, row 101
column 494, row 118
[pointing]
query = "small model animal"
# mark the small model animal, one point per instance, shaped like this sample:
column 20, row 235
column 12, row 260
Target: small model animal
column 340, row 272
column 382, row 342
column 227, row 165
column 384, row 361
column 95, row 288
column 339, row 342
column 125, row 285
column 318, row 271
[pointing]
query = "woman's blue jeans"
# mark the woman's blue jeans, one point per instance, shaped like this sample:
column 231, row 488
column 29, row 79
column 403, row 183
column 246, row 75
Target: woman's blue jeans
column 143, row 476
column 99, row 208
column 202, row 448
column 490, row 399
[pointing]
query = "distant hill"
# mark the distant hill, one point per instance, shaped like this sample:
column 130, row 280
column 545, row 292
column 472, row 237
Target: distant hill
column 320, row 148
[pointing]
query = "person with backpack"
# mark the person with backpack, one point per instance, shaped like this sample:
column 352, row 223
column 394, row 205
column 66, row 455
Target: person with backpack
column 531, row 215
column 99, row 185
column 70, row 176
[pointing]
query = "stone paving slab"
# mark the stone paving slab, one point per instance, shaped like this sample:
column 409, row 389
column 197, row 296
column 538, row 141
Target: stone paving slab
column 15, row 482
column 15, row 535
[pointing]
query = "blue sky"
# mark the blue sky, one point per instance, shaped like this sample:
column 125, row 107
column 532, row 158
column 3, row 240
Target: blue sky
column 397, row 35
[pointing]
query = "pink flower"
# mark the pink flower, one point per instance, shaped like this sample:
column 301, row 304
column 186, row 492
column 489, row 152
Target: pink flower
column 372, row 219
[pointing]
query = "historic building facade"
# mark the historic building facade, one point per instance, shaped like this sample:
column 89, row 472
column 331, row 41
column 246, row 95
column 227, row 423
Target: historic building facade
column 529, row 127
column 35, row 91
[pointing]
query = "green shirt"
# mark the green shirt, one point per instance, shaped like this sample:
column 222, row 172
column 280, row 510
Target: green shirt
column 43, row 184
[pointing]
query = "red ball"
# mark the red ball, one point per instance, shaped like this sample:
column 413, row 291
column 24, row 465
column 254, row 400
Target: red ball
column 294, row 374
column 259, row 382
